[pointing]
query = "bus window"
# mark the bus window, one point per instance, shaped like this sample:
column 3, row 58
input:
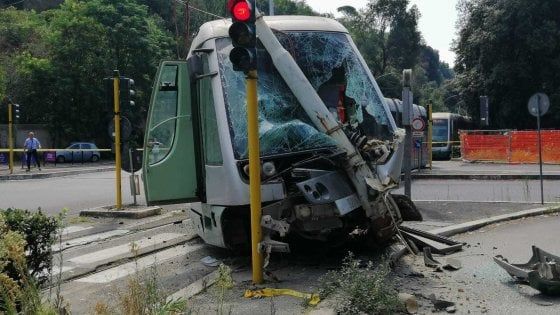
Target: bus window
column 440, row 130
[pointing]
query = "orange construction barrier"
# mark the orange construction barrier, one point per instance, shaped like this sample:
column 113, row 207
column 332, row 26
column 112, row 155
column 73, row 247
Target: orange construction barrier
column 510, row 146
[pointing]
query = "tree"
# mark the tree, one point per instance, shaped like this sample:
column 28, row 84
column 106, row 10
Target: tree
column 508, row 50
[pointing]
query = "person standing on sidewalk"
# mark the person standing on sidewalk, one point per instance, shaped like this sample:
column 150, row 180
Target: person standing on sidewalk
column 30, row 147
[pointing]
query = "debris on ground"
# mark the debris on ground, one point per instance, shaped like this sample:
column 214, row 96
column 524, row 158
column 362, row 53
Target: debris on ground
column 450, row 263
column 409, row 302
column 210, row 261
column 311, row 298
column 440, row 305
column 542, row 271
column 438, row 244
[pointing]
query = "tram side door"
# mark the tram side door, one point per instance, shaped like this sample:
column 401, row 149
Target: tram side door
column 171, row 168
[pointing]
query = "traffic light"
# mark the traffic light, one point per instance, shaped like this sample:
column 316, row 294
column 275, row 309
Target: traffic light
column 243, row 35
column 127, row 92
column 16, row 112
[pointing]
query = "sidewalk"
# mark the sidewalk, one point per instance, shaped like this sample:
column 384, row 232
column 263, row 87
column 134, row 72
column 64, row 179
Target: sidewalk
column 52, row 170
column 486, row 171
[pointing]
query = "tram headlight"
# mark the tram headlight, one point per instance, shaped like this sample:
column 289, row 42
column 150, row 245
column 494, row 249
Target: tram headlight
column 268, row 169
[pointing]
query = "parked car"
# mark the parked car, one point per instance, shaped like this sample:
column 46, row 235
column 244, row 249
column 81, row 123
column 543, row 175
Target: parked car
column 76, row 156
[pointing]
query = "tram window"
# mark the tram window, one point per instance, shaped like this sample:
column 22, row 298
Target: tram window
column 210, row 135
column 162, row 122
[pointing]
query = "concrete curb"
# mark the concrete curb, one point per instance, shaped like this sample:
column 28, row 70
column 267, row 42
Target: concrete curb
column 473, row 225
column 57, row 174
column 486, row 176
column 109, row 212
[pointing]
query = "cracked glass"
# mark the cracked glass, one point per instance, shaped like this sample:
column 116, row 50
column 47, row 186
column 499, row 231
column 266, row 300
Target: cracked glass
column 332, row 66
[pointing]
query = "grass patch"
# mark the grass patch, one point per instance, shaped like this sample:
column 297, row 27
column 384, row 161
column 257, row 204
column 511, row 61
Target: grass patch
column 361, row 289
column 79, row 220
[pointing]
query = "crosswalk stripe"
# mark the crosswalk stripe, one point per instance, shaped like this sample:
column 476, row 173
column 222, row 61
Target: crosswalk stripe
column 88, row 239
column 140, row 264
column 124, row 248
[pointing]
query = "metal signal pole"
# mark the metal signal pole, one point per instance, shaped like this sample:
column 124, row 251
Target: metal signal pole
column 254, row 175
column 11, row 137
column 117, row 111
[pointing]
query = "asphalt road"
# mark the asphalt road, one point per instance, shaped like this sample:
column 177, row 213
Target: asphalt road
column 98, row 189
column 480, row 286
column 76, row 192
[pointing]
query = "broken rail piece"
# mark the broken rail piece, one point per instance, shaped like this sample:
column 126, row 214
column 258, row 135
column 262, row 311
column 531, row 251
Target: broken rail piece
column 438, row 244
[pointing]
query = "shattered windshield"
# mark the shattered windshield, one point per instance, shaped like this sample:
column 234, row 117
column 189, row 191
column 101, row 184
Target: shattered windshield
column 333, row 69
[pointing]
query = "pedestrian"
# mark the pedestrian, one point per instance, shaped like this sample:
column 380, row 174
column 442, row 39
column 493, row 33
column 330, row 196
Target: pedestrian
column 30, row 147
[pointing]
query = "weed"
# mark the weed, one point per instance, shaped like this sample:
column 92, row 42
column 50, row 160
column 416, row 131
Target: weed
column 223, row 283
column 142, row 296
column 79, row 220
column 361, row 289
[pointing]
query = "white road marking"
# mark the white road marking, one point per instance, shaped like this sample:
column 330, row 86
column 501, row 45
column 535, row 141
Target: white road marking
column 125, row 248
column 87, row 239
column 124, row 270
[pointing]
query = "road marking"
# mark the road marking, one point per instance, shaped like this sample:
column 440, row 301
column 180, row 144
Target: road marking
column 87, row 239
column 125, row 248
column 124, row 270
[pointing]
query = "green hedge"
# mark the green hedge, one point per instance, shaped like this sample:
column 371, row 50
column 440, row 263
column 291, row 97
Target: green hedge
column 39, row 232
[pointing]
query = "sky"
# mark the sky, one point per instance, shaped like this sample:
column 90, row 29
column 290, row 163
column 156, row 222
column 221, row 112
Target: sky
column 437, row 23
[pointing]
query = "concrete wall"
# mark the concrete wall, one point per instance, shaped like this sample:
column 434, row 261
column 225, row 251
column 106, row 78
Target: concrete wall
column 21, row 131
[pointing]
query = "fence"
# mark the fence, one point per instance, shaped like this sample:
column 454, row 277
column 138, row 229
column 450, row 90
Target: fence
column 508, row 146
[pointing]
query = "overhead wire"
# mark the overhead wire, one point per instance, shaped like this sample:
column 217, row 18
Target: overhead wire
column 197, row 9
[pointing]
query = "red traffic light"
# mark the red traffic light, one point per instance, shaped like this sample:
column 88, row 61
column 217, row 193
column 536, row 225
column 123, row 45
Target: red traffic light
column 240, row 10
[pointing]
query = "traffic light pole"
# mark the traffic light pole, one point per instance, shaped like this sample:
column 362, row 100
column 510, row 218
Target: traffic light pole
column 430, row 132
column 117, row 112
column 254, row 176
column 10, row 138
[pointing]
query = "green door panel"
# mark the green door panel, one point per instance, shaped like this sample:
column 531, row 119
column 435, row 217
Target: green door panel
column 169, row 164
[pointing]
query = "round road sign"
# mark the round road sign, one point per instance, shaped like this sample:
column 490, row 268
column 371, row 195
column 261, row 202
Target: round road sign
column 538, row 104
column 418, row 124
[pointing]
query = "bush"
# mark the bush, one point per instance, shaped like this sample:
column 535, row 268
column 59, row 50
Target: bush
column 358, row 289
column 39, row 233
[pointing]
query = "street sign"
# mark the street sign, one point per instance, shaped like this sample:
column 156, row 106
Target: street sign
column 417, row 134
column 418, row 124
column 538, row 104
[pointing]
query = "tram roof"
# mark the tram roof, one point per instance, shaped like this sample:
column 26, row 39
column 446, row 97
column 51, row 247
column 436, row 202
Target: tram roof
column 219, row 28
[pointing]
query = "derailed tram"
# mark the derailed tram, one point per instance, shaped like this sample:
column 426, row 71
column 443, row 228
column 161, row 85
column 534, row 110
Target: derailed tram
column 330, row 149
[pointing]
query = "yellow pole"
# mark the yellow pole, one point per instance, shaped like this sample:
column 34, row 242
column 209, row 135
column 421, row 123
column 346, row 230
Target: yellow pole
column 430, row 132
column 116, row 101
column 254, row 175
column 10, row 138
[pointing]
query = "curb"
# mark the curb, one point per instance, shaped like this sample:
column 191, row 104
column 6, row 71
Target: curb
column 473, row 225
column 57, row 174
column 108, row 212
column 486, row 176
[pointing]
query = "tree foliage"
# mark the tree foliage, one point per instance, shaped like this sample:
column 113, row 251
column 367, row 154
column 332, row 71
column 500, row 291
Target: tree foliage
column 508, row 50
column 386, row 33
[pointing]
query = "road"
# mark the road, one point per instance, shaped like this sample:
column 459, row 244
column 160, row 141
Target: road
column 480, row 286
column 97, row 189
column 75, row 192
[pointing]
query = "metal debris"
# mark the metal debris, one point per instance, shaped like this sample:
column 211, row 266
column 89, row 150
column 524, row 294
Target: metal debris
column 521, row 271
column 210, row 261
column 542, row 271
column 439, row 244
